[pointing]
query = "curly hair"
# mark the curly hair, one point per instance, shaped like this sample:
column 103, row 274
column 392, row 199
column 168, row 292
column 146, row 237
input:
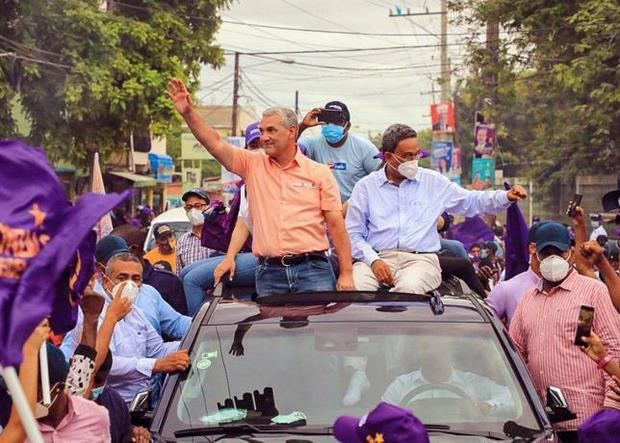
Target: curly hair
column 394, row 134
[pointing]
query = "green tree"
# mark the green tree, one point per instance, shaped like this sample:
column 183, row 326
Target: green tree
column 85, row 76
column 557, row 103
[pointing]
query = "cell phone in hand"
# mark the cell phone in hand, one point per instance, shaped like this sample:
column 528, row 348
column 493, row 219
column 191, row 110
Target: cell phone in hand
column 571, row 211
column 584, row 324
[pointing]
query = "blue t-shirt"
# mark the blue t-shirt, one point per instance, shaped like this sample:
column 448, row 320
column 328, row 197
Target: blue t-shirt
column 349, row 163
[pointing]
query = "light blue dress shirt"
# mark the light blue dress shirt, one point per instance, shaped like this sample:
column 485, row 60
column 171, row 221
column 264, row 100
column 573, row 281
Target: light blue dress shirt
column 135, row 347
column 384, row 216
column 160, row 314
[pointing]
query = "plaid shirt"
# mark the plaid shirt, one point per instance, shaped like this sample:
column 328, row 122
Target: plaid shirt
column 190, row 250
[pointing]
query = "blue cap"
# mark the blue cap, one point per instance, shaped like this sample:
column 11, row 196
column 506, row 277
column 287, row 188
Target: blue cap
column 251, row 133
column 552, row 234
column 109, row 246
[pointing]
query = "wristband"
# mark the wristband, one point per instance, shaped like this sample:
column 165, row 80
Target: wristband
column 603, row 362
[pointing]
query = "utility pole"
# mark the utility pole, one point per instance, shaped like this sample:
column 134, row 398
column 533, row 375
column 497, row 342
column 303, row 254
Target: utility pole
column 492, row 45
column 297, row 104
column 445, row 67
column 235, row 106
column 445, row 63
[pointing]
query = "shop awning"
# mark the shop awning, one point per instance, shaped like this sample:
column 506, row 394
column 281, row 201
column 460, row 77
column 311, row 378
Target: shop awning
column 139, row 181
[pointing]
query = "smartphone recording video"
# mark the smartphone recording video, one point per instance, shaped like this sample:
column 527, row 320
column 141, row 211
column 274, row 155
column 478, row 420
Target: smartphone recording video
column 584, row 325
column 571, row 211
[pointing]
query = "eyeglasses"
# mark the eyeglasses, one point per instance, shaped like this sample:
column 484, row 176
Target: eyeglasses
column 199, row 206
column 409, row 156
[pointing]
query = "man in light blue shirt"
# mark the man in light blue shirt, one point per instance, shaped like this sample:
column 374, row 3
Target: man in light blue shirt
column 138, row 350
column 393, row 213
column 349, row 156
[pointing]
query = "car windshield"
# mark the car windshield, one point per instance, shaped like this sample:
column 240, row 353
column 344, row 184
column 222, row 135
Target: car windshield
column 179, row 228
column 452, row 374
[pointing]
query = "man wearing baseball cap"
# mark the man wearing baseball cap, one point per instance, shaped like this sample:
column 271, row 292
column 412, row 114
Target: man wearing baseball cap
column 349, row 156
column 189, row 247
column 384, row 424
column 545, row 322
column 164, row 253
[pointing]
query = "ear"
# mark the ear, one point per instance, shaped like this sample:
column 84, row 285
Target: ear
column 532, row 248
column 347, row 127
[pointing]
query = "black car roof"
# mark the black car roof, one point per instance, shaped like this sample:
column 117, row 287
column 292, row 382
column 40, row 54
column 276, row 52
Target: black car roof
column 355, row 306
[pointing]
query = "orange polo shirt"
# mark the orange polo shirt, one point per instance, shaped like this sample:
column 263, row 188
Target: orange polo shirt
column 287, row 203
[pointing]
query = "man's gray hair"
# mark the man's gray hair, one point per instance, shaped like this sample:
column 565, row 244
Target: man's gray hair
column 394, row 134
column 287, row 115
column 124, row 257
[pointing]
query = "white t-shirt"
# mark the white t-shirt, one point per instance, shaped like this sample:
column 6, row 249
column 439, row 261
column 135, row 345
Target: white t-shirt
column 598, row 231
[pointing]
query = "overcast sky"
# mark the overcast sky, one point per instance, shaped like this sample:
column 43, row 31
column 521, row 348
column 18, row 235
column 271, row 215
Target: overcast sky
column 375, row 97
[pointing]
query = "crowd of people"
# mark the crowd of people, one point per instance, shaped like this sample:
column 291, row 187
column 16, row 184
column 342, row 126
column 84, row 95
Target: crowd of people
column 337, row 215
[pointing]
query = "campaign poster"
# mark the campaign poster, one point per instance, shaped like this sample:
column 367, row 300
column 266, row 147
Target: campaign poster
column 482, row 173
column 441, row 157
column 484, row 140
column 442, row 117
column 228, row 181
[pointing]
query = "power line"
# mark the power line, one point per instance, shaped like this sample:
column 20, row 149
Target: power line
column 330, row 31
column 332, row 51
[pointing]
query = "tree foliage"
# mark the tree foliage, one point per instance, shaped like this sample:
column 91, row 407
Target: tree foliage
column 557, row 103
column 86, row 76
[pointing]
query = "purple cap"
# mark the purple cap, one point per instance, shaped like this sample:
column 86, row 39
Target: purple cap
column 423, row 154
column 393, row 424
column 602, row 426
column 251, row 133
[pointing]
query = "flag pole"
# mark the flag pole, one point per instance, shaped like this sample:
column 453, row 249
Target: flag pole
column 45, row 376
column 21, row 404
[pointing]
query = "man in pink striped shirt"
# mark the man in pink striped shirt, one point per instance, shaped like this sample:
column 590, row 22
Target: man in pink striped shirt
column 544, row 325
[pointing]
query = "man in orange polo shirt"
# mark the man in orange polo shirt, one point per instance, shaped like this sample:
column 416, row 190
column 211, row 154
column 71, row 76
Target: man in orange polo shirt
column 291, row 199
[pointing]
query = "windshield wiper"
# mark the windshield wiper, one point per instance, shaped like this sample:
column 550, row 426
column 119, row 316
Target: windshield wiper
column 250, row 429
column 445, row 429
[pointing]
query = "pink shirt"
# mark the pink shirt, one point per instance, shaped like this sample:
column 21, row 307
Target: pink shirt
column 85, row 422
column 287, row 203
column 543, row 330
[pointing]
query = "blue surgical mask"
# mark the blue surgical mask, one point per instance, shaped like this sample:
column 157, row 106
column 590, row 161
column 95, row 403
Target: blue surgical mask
column 332, row 133
column 96, row 392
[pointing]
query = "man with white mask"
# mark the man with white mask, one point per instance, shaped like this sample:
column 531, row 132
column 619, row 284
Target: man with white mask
column 393, row 212
column 189, row 247
column 138, row 350
column 544, row 327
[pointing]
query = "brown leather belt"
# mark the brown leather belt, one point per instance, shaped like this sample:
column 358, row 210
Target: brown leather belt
column 293, row 259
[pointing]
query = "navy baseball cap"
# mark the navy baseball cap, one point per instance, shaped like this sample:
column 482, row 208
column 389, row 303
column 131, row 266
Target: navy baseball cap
column 198, row 192
column 337, row 106
column 251, row 133
column 532, row 231
column 109, row 246
column 162, row 231
column 386, row 423
column 552, row 234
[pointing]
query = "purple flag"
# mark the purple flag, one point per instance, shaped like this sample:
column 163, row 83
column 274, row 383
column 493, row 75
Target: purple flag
column 516, row 239
column 40, row 233
column 472, row 230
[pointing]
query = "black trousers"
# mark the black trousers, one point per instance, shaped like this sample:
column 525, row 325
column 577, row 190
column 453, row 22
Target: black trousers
column 463, row 269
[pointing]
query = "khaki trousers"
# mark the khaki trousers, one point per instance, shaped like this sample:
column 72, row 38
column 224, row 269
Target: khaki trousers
column 413, row 273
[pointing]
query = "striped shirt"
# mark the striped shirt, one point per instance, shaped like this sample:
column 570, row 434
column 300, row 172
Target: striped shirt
column 543, row 330
column 189, row 250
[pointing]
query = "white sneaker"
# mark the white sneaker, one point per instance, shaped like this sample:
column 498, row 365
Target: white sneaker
column 357, row 386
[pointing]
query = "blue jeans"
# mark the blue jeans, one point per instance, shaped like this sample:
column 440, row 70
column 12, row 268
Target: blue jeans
column 455, row 247
column 309, row 276
column 198, row 277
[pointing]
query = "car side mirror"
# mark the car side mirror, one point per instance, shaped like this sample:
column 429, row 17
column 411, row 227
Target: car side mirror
column 557, row 406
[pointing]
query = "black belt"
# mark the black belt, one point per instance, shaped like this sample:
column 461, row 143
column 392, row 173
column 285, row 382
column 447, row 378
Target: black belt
column 293, row 259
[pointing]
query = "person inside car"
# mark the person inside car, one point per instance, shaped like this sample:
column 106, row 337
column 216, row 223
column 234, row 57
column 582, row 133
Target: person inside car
column 393, row 212
column 437, row 377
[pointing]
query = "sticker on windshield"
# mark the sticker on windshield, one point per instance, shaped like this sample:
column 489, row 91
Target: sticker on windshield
column 205, row 360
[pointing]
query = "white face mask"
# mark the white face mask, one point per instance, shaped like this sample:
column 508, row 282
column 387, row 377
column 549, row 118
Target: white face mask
column 129, row 289
column 195, row 217
column 595, row 224
column 408, row 169
column 554, row 268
